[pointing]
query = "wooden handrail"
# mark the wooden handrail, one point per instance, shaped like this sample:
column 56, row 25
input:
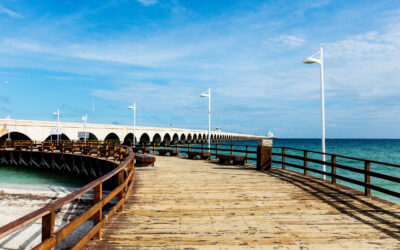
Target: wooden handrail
column 229, row 148
column 50, row 238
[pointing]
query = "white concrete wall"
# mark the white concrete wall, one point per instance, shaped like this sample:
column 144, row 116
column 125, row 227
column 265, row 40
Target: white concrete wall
column 40, row 130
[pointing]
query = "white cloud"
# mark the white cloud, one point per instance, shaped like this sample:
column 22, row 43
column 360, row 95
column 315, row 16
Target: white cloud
column 10, row 12
column 148, row 2
column 288, row 41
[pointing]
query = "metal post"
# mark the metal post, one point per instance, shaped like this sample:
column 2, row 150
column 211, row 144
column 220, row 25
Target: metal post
column 209, row 118
column 84, row 128
column 321, row 52
column 58, row 125
column 9, row 127
column 134, row 123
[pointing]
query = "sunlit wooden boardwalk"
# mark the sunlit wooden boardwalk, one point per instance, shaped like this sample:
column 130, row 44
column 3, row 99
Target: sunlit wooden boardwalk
column 198, row 204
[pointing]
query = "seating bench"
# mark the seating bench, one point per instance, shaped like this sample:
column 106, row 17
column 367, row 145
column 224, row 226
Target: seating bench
column 237, row 160
column 172, row 152
column 203, row 155
column 144, row 160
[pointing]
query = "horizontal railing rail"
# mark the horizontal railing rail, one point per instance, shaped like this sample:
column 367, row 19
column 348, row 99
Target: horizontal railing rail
column 124, row 172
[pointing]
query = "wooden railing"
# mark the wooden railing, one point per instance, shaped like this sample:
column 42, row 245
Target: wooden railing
column 288, row 153
column 287, row 159
column 124, row 172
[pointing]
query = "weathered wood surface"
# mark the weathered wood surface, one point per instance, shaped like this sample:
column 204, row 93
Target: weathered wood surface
column 197, row 204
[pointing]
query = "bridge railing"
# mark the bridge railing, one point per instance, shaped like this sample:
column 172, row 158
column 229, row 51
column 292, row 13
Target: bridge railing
column 124, row 173
column 355, row 173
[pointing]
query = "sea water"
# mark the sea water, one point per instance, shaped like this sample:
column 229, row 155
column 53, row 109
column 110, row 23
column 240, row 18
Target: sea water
column 28, row 177
column 384, row 150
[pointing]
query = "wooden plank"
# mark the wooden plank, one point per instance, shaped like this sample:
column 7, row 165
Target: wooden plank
column 196, row 204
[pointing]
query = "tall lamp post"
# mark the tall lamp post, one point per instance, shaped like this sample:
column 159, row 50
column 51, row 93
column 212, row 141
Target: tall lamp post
column 58, row 124
column 9, row 127
column 209, row 115
column 84, row 119
column 320, row 61
column 134, row 123
column 9, row 119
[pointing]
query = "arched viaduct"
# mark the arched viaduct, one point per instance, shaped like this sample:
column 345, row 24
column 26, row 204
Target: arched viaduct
column 40, row 131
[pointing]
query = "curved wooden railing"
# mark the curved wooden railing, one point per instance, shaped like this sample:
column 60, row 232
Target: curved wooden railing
column 124, row 173
column 300, row 159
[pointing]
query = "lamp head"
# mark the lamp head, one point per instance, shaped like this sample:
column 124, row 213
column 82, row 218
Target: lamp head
column 311, row 60
column 131, row 107
column 204, row 95
column 55, row 113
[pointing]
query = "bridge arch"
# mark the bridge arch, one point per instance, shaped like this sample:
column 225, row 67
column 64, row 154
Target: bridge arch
column 205, row 137
column 14, row 136
column 63, row 137
column 189, row 138
column 128, row 139
column 156, row 139
column 144, row 139
column 113, row 137
column 194, row 137
column 199, row 137
column 182, row 138
column 167, row 139
column 175, row 138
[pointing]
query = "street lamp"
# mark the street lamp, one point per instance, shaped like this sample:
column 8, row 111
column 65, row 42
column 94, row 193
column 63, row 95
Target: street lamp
column 134, row 122
column 9, row 127
column 9, row 120
column 84, row 119
column 209, row 115
column 320, row 61
column 58, row 123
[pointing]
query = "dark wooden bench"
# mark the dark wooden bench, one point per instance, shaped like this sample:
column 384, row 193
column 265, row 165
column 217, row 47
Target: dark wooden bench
column 144, row 160
column 171, row 152
column 236, row 159
column 203, row 155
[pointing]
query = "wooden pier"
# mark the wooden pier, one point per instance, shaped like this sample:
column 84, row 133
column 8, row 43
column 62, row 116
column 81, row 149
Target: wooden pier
column 186, row 204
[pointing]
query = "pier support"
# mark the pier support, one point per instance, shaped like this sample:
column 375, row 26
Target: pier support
column 264, row 154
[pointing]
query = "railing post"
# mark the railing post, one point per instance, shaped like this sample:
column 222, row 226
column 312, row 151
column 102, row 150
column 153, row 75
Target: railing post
column 121, row 155
column 367, row 178
column 120, row 181
column 264, row 154
column 305, row 163
column 333, row 160
column 189, row 147
column 98, row 193
column 216, row 149
column 48, row 225
column 247, row 154
column 115, row 153
column 202, row 147
column 283, row 158
column 177, row 147
column 231, row 149
column 107, row 151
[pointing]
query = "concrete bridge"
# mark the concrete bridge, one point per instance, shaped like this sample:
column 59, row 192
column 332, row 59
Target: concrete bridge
column 41, row 131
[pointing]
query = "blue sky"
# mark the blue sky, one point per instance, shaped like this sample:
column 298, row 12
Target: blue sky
column 163, row 54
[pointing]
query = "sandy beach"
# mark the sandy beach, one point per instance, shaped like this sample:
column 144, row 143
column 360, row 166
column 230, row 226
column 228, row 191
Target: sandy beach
column 19, row 200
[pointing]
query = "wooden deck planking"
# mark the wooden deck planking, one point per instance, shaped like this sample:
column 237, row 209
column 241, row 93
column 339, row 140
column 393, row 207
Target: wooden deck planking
column 197, row 204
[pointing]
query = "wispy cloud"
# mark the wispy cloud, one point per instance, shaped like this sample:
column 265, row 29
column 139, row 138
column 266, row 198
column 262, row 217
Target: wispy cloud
column 288, row 41
column 9, row 12
column 148, row 2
